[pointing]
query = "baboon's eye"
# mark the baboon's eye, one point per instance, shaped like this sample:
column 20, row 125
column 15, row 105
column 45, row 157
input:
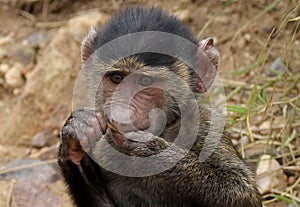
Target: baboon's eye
column 116, row 78
column 145, row 80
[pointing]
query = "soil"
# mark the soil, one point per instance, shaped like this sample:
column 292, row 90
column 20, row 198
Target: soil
column 242, row 30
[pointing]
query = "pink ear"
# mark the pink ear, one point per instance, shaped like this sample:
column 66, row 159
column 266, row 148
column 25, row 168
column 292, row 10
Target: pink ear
column 87, row 44
column 207, row 65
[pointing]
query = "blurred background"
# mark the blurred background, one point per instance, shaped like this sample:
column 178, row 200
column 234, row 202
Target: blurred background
column 40, row 40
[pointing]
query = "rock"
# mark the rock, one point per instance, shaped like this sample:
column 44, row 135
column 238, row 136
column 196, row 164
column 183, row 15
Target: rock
column 244, row 140
column 24, row 54
column 46, row 153
column 269, row 174
column 46, row 99
column 32, row 184
column 79, row 26
column 235, row 142
column 277, row 67
column 291, row 180
column 4, row 68
column 14, row 77
column 267, row 29
column 17, row 91
column 37, row 40
column 43, row 139
column 255, row 151
column 248, row 37
column 45, row 172
column 264, row 127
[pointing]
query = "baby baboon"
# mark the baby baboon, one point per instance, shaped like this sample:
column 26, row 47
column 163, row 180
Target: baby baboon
column 132, row 87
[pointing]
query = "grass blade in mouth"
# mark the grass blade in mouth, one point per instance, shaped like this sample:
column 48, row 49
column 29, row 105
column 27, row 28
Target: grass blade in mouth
column 112, row 127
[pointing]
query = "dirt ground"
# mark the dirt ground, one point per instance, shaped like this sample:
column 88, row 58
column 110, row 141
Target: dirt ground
column 263, row 105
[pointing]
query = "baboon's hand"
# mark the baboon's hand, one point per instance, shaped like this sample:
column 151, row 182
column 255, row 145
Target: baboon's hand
column 80, row 133
column 143, row 143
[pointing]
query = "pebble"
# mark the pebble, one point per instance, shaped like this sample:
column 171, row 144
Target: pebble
column 37, row 40
column 14, row 77
column 267, row 29
column 43, row 139
column 17, row 92
column 24, row 54
column 4, row 68
column 78, row 26
column 269, row 174
column 33, row 184
column 45, row 172
column 247, row 37
column 244, row 140
column 291, row 180
column 277, row 67
column 265, row 127
column 235, row 142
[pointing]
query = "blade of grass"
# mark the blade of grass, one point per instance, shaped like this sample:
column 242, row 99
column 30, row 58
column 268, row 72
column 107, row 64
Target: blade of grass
column 258, row 62
column 252, row 100
column 282, row 198
column 241, row 110
column 234, row 92
column 289, row 140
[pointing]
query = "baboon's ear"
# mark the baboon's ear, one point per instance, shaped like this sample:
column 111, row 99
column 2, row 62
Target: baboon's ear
column 87, row 48
column 207, row 65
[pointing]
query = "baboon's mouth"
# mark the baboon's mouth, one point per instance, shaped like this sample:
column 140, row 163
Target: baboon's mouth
column 123, row 128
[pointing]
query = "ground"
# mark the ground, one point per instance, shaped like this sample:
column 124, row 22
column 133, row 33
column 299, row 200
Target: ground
column 259, row 42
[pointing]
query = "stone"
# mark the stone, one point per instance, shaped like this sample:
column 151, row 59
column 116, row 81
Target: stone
column 46, row 99
column 43, row 139
column 14, row 77
column 79, row 26
column 4, row 68
column 37, row 40
column 24, row 54
column 269, row 174
column 277, row 67
column 33, row 184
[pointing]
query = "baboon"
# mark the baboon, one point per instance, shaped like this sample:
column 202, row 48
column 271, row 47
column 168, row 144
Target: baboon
column 134, row 84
